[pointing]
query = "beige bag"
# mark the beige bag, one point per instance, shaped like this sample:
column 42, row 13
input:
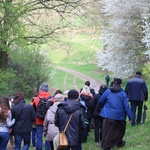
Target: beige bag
column 60, row 141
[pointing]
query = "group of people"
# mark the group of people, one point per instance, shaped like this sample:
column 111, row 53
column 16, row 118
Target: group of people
column 108, row 108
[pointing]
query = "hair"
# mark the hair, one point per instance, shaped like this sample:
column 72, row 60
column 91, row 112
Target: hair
column 138, row 73
column 86, row 90
column 58, row 92
column 4, row 108
column 87, row 83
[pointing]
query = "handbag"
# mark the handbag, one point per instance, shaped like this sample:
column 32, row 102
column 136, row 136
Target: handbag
column 60, row 141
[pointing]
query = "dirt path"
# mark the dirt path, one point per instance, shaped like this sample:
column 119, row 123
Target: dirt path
column 94, row 83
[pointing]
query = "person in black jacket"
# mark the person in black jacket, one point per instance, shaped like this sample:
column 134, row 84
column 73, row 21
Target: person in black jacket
column 96, row 116
column 87, row 97
column 24, row 115
column 77, row 122
column 136, row 90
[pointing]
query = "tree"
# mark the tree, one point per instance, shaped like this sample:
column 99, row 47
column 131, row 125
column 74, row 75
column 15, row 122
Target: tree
column 30, row 67
column 124, row 50
column 33, row 21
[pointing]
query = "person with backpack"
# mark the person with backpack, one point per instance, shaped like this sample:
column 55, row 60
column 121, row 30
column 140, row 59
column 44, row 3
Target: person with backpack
column 41, row 109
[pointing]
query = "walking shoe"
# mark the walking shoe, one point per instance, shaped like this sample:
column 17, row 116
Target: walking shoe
column 121, row 144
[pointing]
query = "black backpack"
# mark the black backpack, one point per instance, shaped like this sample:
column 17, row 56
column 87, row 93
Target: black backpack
column 42, row 108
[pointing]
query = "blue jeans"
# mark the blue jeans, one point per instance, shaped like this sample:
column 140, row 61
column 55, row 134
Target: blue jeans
column 18, row 140
column 39, row 133
column 4, row 138
column 33, row 137
column 47, row 145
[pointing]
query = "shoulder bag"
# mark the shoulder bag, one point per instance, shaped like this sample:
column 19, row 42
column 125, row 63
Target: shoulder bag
column 60, row 141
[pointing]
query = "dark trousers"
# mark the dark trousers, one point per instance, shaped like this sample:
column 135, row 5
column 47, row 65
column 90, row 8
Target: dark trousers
column 86, row 131
column 98, row 126
column 136, row 105
column 113, row 132
column 77, row 147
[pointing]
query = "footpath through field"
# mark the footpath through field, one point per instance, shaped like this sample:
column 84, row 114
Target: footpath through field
column 94, row 83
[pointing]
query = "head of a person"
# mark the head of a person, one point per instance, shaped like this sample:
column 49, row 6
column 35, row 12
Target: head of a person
column 18, row 96
column 138, row 74
column 59, row 97
column 73, row 94
column 86, row 89
column 4, row 108
column 103, row 88
column 44, row 87
column 58, row 92
column 117, row 81
column 87, row 83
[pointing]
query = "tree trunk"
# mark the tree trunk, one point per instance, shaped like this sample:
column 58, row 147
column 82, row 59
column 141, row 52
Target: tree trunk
column 3, row 59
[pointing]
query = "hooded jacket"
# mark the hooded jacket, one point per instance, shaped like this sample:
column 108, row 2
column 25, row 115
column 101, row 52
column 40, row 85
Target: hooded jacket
column 114, row 104
column 77, row 123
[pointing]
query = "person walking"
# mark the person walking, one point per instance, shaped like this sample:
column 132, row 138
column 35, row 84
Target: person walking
column 43, row 93
column 107, row 79
column 87, row 97
column 24, row 115
column 97, row 118
column 92, row 91
column 115, row 108
column 77, row 122
column 137, row 92
column 6, row 122
column 49, row 128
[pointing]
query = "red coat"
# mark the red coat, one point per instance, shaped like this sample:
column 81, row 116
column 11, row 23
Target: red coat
column 35, row 102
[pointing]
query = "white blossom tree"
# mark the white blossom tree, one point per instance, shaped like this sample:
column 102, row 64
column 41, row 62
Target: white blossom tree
column 124, row 49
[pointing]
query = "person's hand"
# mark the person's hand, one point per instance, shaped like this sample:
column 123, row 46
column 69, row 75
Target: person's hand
column 13, row 121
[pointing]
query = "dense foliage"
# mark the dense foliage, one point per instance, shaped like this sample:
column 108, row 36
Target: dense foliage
column 125, row 36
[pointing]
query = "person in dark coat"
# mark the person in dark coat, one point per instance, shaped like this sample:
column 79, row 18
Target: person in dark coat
column 137, row 92
column 107, row 79
column 87, row 97
column 77, row 123
column 24, row 115
column 115, row 108
column 96, row 116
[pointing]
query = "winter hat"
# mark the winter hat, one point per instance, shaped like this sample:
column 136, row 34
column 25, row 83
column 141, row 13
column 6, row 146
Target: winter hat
column 73, row 94
column 117, row 81
column 44, row 87
column 59, row 98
